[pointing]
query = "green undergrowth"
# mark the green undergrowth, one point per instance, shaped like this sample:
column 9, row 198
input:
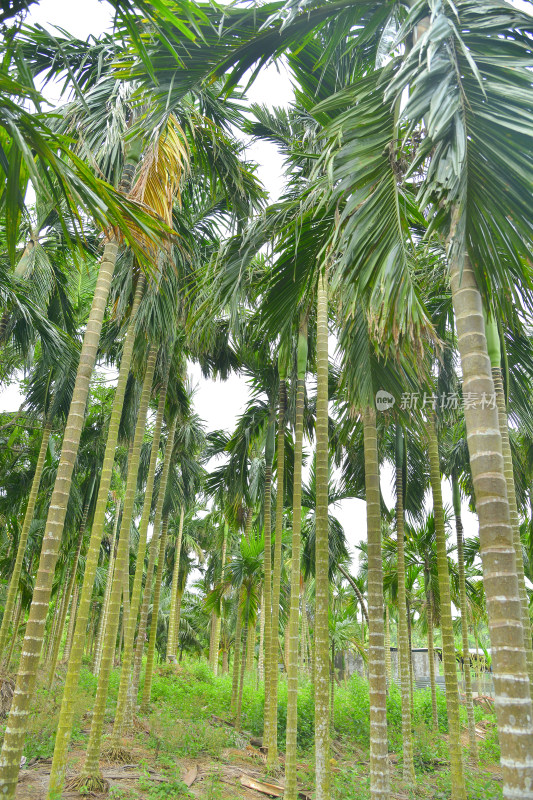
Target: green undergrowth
column 190, row 708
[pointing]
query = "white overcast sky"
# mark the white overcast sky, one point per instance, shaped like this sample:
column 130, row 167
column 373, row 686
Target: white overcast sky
column 219, row 404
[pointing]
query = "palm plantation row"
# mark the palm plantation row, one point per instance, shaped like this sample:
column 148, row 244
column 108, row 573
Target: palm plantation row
column 403, row 237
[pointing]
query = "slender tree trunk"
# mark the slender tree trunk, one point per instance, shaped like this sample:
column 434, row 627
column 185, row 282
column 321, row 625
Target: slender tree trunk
column 267, row 589
column 105, row 604
column 68, row 702
column 403, row 634
column 332, row 691
column 154, row 551
column 172, row 639
column 411, row 679
column 225, row 665
column 179, row 599
column 216, row 636
column 212, row 622
column 513, row 511
column 68, row 597
column 243, row 663
column 125, row 605
column 446, row 623
column 23, row 541
column 291, row 790
column 379, row 768
column 54, row 614
column 261, row 659
column 464, row 619
column 16, row 623
column 148, row 675
column 431, row 656
column 273, row 678
column 388, row 661
column 91, row 634
column 236, row 655
column 71, row 623
column 90, row 775
column 511, row 683
column 129, row 636
column 250, row 649
column 13, row 743
column 322, row 754
column 303, row 633
column 364, row 611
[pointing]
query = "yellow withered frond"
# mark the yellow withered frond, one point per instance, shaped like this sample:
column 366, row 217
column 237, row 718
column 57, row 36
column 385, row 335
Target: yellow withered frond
column 161, row 172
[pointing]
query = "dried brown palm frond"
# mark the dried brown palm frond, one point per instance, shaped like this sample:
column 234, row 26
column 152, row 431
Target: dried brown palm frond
column 160, row 176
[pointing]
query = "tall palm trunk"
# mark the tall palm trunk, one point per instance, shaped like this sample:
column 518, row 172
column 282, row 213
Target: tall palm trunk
column 261, row 659
column 266, row 608
column 125, row 605
column 147, row 688
column 379, row 768
column 54, row 615
column 291, row 791
column 71, row 623
column 216, row 633
column 493, row 343
column 332, row 689
column 431, row 657
column 16, row 623
column 172, row 640
column 322, row 756
column 13, row 744
column 388, row 660
column 250, row 649
column 105, row 603
column 68, row 702
column 179, row 599
column 154, row 551
column 514, row 709
column 237, row 654
column 243, row 661
column 212, row 622
column 90, row 776
column 464, row 618
column 273, row 677
column 68, row 596
column 129, row 636
column 403, row 634
column 23, row 541
column 446, row 623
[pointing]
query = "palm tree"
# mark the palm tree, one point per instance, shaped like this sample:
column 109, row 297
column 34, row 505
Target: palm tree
column 421, row 553
column 127, row 660
column 477, row 250
column 173, row 628
column 294, row 617
column 90, row 775
column 494, row 351
column 448, row 644
column 272, row 673
column 404, row 651
column 14, row 737
column 245, row 571
column 155, row 549
column 322, row 759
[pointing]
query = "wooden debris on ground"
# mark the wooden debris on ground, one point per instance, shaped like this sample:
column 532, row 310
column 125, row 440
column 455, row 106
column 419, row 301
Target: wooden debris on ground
column 271, row 789
column 190, row 776
column 485, row 702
